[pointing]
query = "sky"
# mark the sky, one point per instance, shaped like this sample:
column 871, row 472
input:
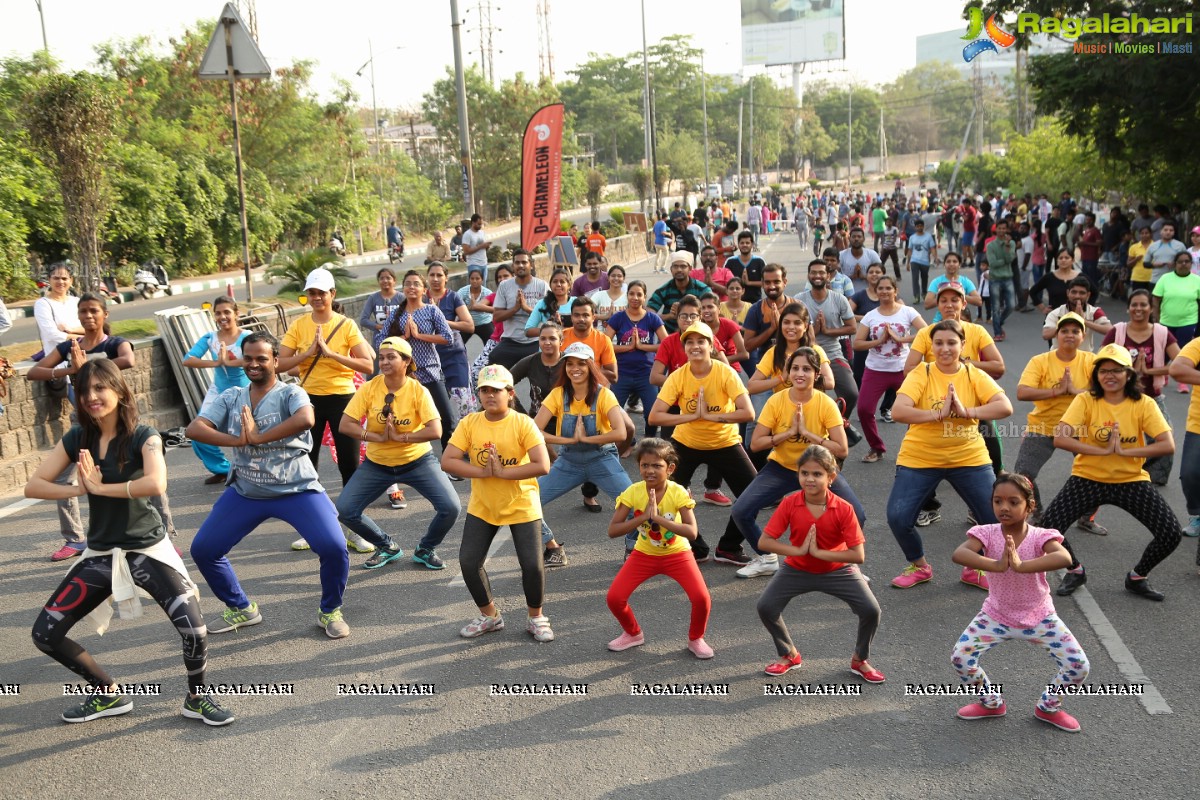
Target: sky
column 412, row 42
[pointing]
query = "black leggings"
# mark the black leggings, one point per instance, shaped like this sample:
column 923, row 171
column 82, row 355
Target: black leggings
column 1080, row 495
column 483, row 331
column 734, row 466
column 329, row 408
column 88, row 584
column 527, row 541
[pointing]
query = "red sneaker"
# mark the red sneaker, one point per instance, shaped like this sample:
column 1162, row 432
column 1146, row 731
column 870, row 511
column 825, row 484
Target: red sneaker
column 1059, row 719
column 974, row 577
column 65, row 552
column 980, row 711
column 717, row 498
column 865, row 671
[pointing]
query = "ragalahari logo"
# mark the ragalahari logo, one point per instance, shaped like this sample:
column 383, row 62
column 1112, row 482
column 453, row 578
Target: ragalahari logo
column 995, row 35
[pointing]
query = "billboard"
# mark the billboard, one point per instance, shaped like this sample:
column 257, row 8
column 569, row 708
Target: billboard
column 792, row 31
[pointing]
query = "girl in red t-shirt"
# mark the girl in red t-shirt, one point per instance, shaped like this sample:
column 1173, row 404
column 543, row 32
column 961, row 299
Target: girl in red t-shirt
column 822, row 553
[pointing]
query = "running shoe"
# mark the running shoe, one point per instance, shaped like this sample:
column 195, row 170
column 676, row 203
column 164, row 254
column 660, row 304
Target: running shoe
column 626, row 641
column 634, row 407
column 1091, row 526
column 539, row 628
column 976, row 711
column 382, row 556
column 203, row 707
column 455, row 478
column 555, row 557
column 717, row 498
column 65, row 552
column 1059, row 719
column 97, row 706
column 233, row 618
column 700, row 649
column 865, row 671
column 1070, row 582
column 1193, row 527
column 927, row 518
column 359, row 544
column 760, row 566
column 784, row 665
column 429, row 557
column 912, row 575
column 974, row 577
column 1142, row 587
column 335, row 627
column 397, row 500
column 481, row 625
column 738, row 557
column 301, row 544
column 971, row 518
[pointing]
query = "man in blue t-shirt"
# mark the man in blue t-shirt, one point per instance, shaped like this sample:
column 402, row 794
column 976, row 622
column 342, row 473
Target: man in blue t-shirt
column 920, row 251
column 664, row 243
column 267, row 426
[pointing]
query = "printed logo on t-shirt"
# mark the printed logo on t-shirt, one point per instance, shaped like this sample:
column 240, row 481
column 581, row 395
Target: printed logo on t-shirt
column 1103, row 434
column 655, row 534
column 689, row 406
column 482, row 457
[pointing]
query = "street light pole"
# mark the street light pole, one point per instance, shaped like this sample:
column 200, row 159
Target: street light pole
column 378, row 143
column 464, row 132
column 42, row 17
column 704, row 108
column 648, row 122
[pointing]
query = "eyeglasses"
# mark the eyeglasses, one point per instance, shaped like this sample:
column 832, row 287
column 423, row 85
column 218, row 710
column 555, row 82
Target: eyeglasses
column 1117, row 371
column 686, row 315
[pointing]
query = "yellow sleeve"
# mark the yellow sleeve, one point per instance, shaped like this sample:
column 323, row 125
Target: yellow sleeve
column 914, row 384
column 354, row 336
column 1152, row 421
column 766, row 364
column 461, row 438
column 732, row 384
column 985, row 387
column 426, row 410
column 360, row 403
column 672, row 388
column 554, row 401
column 530, row 436
column 1079, row 411
column 921, row 343
column 821, row 353
column 1033, row 373
column 830, row 417
column 770, row 416
column 678, row 496
column 292, row 337
column 606, row 402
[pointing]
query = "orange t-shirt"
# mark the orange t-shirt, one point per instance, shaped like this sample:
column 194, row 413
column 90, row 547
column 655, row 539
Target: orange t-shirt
column 601, row 345
column 596, row 243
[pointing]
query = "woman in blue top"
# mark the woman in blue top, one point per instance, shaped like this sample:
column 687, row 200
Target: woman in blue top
column 636, row 332
column 453, row 355
column 554, row 307
column 220, row 351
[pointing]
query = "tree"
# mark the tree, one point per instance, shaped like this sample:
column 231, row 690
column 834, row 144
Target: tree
column 1049, row 159
column 596, row 181
column 71, row 119
column 683, row 156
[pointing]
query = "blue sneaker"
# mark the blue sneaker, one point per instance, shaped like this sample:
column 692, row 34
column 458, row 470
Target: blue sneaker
column 382, row 556
column 1193, row 527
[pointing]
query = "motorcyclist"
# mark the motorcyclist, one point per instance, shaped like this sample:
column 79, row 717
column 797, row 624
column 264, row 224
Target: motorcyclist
column 395, row 236
column 337, row 239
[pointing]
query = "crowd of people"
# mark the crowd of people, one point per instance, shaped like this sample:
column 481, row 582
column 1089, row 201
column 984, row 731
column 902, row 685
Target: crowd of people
column 732, row 363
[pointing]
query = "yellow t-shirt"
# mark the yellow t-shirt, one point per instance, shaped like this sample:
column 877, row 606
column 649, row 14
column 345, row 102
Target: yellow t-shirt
column 821, row 415
column 328, row 377
column 721, row 387
column 953, row 442
column 766, row 365
column 412, row 408
column 1140, row 272
column 606, row 401
column 1191, row 351
column 739, row 317
column 1046, row 370
column 499, row 501
column 977, row 338
column 1093, row 419
column 653, row 540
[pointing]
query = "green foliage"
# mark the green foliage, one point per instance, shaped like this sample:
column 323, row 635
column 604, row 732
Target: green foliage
column 1049, row 159
column 293, row 266
column 596, row 181
column 618, row 215
column 984, row 173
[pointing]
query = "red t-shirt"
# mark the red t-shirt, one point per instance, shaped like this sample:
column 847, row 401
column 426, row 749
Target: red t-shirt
column 1089, row 244
column 670, row 353
column 969, row 215
column 724, row 333
column 837, row 529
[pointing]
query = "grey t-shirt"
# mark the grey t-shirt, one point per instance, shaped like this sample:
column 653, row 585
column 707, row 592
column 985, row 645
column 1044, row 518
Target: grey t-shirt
column 836, row 309
column 847, row 262
column 273, row 469
column 506, row 297
column 479, row 257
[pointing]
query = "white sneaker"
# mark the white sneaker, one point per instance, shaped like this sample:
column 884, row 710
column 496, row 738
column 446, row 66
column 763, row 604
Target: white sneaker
column 359, row 544
column 300, row 544
column 766, row 564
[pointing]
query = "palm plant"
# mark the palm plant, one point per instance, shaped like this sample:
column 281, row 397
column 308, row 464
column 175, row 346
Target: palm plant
column 293, row 266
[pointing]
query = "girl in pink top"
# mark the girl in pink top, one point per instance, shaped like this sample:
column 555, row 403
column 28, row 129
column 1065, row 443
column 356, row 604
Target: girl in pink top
column 1018, row 605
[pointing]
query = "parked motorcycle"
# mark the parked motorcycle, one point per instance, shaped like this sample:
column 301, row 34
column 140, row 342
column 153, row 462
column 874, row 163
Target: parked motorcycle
column 108, row 286
column 151, row 278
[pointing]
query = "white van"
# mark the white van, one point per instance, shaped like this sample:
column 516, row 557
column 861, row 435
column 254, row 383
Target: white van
column 714, row 192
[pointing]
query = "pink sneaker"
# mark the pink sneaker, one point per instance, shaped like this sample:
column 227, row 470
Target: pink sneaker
column 717, row 498
column 626, row 641
column 1059, row 719
column 975, row 577
column 784, row 665
column 912, row 575
column 980, row 711
column 700, row 648
column 65, row 552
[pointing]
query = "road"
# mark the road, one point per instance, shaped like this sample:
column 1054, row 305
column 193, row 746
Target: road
column 465, row 742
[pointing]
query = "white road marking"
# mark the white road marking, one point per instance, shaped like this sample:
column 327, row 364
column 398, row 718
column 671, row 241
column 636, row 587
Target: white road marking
column 497, row 543
column 1151, row 698
column 13, row 508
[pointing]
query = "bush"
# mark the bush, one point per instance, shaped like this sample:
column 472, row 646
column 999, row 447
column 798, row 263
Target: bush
column 293, row 266
column 618, row 216
column 612, row 229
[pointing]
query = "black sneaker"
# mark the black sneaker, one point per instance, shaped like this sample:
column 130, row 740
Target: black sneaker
column 1142, row 587
column 429, row 557
column 381, row 556
column 1072, row 581
column 737, row 557
column 97, row 706
column 555, row 557
column 204, row 707
column 886, row 415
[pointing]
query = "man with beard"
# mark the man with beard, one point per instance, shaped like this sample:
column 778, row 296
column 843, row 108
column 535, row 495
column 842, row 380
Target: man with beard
column 832, row 318
column 709, row 273
column 267, row 426
column 747, row 267
column 855, row 260
column 666, row 298
column 513, row 303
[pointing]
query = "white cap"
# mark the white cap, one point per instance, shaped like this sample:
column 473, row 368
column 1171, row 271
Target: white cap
column 319, row 278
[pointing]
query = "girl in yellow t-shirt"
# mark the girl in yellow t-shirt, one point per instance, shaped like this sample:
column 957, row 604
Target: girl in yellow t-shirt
column 659, row 513
column 733, row 306
column 794, row 329
column 792, row 420
column 712, row 402
column 503, row 453
column 1106, row 428
column 588, row 423
column 943, row 404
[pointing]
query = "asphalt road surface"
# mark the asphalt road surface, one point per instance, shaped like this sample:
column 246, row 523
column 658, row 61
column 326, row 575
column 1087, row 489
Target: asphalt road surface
column 464, row 741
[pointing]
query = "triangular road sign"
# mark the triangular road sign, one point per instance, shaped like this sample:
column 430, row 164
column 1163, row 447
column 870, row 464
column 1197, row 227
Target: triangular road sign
column 248, row 61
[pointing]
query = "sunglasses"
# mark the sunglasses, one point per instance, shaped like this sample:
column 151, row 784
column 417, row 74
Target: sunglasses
column 386, row 411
